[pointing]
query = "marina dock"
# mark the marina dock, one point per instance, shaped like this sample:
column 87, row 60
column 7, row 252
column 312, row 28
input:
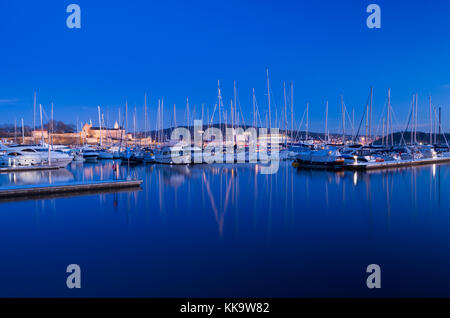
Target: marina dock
column 395, row 164
column 79, row 187
column 27, row 168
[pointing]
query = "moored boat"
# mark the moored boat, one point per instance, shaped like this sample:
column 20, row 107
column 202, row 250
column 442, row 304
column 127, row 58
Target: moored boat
column 328, row 158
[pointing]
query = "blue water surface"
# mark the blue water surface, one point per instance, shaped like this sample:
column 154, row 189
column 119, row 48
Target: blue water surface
column 230, row 231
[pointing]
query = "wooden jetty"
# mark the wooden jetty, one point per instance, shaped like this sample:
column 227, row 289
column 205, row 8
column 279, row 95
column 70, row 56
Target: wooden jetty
column 76, row 187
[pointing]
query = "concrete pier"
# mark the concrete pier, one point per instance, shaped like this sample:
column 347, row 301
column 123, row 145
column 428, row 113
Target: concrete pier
column 78, row 187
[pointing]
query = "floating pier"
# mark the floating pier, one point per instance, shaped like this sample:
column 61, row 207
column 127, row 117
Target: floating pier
column 27, row 168
column 77, row 187
column 395, row 164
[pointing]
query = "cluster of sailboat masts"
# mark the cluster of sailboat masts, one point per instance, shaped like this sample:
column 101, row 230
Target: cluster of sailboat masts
column 155, row 145
column 233, row 116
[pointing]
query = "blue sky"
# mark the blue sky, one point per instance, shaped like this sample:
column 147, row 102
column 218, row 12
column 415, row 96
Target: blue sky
column 177, row 49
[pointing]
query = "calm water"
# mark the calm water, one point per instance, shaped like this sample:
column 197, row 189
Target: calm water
column 229, row 231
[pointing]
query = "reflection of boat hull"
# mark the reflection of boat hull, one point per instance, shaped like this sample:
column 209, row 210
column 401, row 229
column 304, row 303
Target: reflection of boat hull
column 104, row 155
column 39, row 177
column 90, row 157
column 318, row 165
column 150, row 159
column 180, row 160
column 132, row 160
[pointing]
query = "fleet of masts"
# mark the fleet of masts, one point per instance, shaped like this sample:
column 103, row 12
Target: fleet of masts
column 362, row 134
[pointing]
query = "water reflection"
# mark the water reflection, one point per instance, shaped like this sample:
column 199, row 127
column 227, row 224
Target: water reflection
column 241, row 188
column 36, row 177
column 237, row 227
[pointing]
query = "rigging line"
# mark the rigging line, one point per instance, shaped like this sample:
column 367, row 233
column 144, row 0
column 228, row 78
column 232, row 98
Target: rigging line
column 349, row 119
column 409, row 120
column 258, row 113
column 440, row 126
column 360, row 123
column 300, row 126
column 240, row 108
column 212, row 117
column 381, row 117
column 395, row 119
column 362, row 118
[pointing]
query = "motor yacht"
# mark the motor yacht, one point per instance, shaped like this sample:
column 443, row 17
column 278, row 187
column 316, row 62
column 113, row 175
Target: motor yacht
column 57, row 158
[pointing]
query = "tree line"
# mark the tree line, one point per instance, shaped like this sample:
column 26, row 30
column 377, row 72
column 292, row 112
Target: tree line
column 59, row 127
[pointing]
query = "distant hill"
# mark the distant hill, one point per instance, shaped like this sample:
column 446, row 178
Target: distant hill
column 421, row 138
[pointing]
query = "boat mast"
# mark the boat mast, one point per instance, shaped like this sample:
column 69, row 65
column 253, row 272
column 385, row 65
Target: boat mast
column 158, row 135
column 412, row 119
column 100, row 126
column 388, row 117
column 254, row 108
column 134, row 124
column 188, row 121
column 174, row 116
column 268, row 99
column 119, row 118
column 42, row 125
column 50, row 140
column 368, row 117
column 207, row 117
column 292, row 111
column 343, row 119
column 23, row 133
column 162, row 119
column 145, row 116
column 53, row 128
column 415, row 119
column 431, row 124
column 203, row 110
column 326, row 122
column 231, row 114
column 435, row 126
column 234, row 112
column 370, row 112
column 34, row 113
column 390, row 125
column 285, row 113
column 219, row 100
column 126, row 119
column 353, row 124
column 307, row 121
